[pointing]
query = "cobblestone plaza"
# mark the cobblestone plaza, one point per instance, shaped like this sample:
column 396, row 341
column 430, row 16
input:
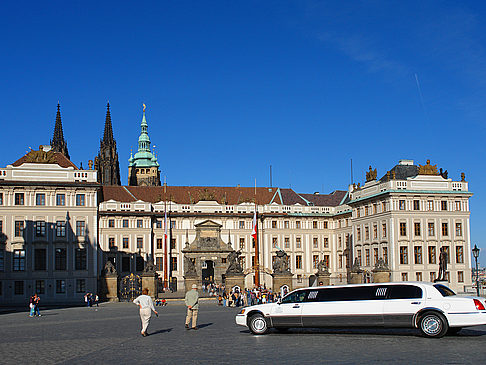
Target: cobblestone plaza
column 110, row 334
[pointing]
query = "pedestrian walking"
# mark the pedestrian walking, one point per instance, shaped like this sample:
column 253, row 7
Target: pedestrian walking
column 146, row 305
column 31, row 306
column 36, row 305
column 192, row 303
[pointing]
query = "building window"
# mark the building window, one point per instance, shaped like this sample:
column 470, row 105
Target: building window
column 383, row 206
column 298, row 242
column 430, row 205
column 367, row 256
column 80, row 200
column 366, row 211
column 139, row 223
column 19, row 228
column 315, row 261
column 80, row 228
column 446, row 249
column 385, row 255
column 287, row 242
column 314, row 224
column 418, row 255
column 431, row 229
column 19, row 198
column 358, row 210
column 383, row 229
column 80, row 285
column 401, row 204
column 173, row 263
column 375, row 255
column 274, row 242
column 19, row 260
column 433, row 276
column 60, row 229
column 40, row 287
column 60, row 259
column 172, row 243
column 403, row 255
column 18, row 287
column 445, row 229
column 375, row 210
column 158, row 223
column 325, row 224
column 326, row 242
column 404, row 276
column 340, row 241
column 125, row 242
column 297, row 224
column 367, row 233
column 416, row 229
column 315, row 242
column 80, row 259
column 61, row 200
column 432, row 255
column 358, row 234
column 40, row 228
column 298, row 262
column 459, row 255
column 139, row 242
column 375, row 231
column 403, row 229
column 111, row 223
column 125, row 223
column 459, row 229
column 443, row 205
column 111, row 243
column 60, row 286
column 359, row 258
column 416, row 205
column 173, row 224
column 418, row 276
column 1, row 226
column 274, row 224
column 460, row 276
column 1, row 198
column 286, row 224
column 242, row 224
column 40, row 259
column 40, row 199
column 159, row 243
column 2, row 260
column 458, row 206
column 242, row 243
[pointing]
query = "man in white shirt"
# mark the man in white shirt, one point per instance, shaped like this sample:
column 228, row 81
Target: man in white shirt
column 146, row 307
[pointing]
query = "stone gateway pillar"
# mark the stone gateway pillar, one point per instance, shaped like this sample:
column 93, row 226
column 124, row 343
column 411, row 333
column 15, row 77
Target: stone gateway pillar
column 281, row 272
column 356, row 274
column 109, row 281
column 323, row 275
column 381, row 272
column 149, row 279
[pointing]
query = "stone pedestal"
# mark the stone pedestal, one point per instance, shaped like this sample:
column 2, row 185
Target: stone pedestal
column 235, row 280
column 325, row 279
column 189, row 280
column 150, row 282
column 111, row 288
column 356, row 278
column 381, row 276
column 281, row 280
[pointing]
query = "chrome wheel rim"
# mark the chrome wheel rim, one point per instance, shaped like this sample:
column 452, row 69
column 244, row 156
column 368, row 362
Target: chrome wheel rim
column 431, row 325
column 259, row 324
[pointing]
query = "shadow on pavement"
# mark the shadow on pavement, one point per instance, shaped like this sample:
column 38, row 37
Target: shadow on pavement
column 161, row 331
column 204, row 325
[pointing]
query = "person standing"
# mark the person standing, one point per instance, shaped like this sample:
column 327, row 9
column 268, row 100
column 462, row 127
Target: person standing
column 146, row 307
column 36, row 305
column 192, row 303
column 31, row 306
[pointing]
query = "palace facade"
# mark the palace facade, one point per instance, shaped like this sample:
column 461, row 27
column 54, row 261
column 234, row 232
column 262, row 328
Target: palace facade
column 60, row 224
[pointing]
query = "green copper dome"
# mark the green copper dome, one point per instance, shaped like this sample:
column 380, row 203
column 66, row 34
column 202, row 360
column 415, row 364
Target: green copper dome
column 144, row 157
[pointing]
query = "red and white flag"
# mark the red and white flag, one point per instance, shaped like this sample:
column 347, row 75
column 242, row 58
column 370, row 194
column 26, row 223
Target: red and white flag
column 254, row 232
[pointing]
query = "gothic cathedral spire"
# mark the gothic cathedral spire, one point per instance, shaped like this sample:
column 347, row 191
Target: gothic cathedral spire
column 106, row 163
column 58, row 143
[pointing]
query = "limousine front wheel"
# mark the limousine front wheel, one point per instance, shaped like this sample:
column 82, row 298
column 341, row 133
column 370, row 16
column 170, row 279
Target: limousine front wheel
column 258, row 324
column 433, row 324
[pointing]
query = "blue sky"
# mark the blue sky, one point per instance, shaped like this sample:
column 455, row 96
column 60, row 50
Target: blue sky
column 234, row 87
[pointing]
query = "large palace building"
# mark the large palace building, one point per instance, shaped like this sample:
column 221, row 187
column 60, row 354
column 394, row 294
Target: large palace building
column 60, row 225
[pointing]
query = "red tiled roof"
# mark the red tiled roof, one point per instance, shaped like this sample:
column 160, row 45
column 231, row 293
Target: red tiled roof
column 327, row 200
column 41, row 157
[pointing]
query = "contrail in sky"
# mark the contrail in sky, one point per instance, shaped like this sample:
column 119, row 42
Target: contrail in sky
column 421, row 96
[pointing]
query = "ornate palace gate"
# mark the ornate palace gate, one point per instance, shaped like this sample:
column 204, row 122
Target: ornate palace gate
column 131, row 287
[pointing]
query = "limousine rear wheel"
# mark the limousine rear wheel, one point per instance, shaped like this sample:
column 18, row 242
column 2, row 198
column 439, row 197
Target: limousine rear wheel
column 258, row 324
column 433, row 324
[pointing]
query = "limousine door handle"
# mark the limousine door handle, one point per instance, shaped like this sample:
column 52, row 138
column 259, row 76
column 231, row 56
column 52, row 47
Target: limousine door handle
column 296, row 306
column 415, row 302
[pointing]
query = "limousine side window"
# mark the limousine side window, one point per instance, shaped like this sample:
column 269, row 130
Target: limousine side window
column 295, row 297
column 444, row 290
column 404, row 292
column 346, row 294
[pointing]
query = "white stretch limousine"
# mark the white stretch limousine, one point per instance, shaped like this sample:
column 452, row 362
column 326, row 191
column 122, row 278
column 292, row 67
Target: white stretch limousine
column 433, row 308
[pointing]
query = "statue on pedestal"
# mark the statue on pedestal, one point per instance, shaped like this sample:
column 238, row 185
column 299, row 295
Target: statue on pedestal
column 281, row 264
column 234, row 266
column 149, row 268
column 322, row 269
column 109, row 269
column 442, row 264
column 190, row 268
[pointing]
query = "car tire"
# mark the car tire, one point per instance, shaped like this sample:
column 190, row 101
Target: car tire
column 433, row 324
column 258, row 324
column 453, row 330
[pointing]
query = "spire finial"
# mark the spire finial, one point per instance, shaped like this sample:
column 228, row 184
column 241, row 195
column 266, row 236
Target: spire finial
column 144, row 107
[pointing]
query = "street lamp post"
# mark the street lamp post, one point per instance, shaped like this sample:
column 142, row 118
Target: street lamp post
column 475, row 252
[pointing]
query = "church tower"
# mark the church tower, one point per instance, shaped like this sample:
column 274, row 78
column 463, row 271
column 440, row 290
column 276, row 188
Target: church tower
column 143, row 168
column 106, row 163
column 58, row 143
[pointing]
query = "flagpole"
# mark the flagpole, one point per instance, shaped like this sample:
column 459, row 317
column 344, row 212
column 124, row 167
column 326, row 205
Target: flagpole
column 166, row 263
column 257, row 251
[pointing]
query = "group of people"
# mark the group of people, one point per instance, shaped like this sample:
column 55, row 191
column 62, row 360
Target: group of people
column 34, row 306
column 91, row 299
column 213, row 289
column 260, row 295
column 146, row 306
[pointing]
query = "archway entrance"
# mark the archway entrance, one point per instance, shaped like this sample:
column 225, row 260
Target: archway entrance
column 208, row 272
